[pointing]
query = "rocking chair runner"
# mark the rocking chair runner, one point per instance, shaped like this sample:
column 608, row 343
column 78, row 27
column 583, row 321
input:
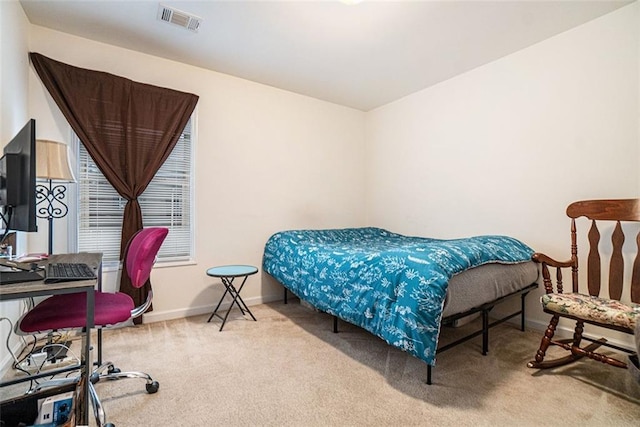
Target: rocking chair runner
column 585, row 305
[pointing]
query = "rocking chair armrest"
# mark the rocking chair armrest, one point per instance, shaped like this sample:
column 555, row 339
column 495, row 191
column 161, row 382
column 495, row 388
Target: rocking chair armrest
column 546, row 262
column 541, row 258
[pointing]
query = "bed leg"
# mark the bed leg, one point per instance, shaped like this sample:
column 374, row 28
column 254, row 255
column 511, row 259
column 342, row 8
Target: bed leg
column 429, row 374
column 522, row 311
column 285, row 295
column 485, row 332
column 335, row 324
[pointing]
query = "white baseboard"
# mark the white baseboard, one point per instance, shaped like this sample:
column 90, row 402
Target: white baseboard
column 530, row 324
column 159, row 316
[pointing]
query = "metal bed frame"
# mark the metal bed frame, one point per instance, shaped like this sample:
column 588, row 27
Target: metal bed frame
column 484, row 309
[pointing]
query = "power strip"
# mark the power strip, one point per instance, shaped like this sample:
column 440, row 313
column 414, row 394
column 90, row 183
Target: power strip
column 32, row 367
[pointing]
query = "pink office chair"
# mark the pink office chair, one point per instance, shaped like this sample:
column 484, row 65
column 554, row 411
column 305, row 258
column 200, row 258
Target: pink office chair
column 68, row 311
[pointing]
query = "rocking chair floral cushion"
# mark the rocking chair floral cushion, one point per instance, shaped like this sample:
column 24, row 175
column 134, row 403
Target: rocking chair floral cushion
column 587, row 307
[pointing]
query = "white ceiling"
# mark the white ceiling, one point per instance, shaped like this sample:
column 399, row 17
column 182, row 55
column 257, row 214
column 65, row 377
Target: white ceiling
column 362, row 56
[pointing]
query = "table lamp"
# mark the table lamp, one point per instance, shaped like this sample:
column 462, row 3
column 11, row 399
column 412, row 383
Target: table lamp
column 52, row 164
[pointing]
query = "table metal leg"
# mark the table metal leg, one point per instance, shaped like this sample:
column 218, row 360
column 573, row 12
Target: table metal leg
column 86, row 356
column 236, row 299
column 215, row 310
column 228, row 282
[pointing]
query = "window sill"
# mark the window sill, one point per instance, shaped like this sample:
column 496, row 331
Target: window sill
column 115, row 266
column 169, row 264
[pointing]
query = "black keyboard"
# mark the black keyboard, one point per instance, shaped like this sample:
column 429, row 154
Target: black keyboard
column 67, row 272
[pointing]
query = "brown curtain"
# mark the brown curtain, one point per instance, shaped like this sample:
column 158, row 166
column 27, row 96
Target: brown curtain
column 128, row 128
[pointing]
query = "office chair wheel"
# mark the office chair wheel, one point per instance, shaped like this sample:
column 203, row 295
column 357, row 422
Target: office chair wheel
column 94, row 377
column 153, row 387
column 113, row 370
column 109, row 425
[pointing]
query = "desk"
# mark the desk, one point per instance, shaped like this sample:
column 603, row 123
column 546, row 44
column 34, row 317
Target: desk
column 227, row 273
column 39, row 288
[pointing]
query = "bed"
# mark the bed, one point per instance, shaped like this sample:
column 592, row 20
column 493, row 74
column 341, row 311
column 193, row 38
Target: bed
column 400, row 288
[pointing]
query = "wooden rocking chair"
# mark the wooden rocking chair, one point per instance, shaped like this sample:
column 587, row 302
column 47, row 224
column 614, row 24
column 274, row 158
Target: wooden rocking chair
column 583, row 304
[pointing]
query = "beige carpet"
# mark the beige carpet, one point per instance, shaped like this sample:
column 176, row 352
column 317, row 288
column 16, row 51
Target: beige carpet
column 289, row 369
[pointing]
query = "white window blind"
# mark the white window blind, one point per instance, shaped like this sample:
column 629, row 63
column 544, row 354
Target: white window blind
column 166, row 202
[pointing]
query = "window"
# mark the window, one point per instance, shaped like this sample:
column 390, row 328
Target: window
column 166, row 202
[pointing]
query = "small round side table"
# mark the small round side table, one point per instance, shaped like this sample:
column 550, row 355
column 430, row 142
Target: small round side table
column 227, row 273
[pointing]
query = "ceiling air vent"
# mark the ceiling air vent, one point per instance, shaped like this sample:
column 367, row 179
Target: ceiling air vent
column 178, row 17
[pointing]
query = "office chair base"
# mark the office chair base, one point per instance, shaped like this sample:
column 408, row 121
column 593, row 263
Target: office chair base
column 113, row 373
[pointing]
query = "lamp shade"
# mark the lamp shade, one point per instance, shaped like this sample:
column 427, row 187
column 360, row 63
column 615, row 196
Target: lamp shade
column 52, row 161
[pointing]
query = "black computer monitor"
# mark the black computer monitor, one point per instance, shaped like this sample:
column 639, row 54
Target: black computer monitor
column 18, row 181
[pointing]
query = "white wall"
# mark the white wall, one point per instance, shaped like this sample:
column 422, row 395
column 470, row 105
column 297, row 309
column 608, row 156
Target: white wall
column 13, row 70
column 266, row 160
column 500, row 149
column 14, row 114
column 504, row 148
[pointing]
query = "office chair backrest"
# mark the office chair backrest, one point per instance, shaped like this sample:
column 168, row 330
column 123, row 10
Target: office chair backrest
column 141, row 254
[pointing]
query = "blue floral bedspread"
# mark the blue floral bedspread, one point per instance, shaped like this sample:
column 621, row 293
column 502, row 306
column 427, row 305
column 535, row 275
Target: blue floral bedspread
column 393, row 286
